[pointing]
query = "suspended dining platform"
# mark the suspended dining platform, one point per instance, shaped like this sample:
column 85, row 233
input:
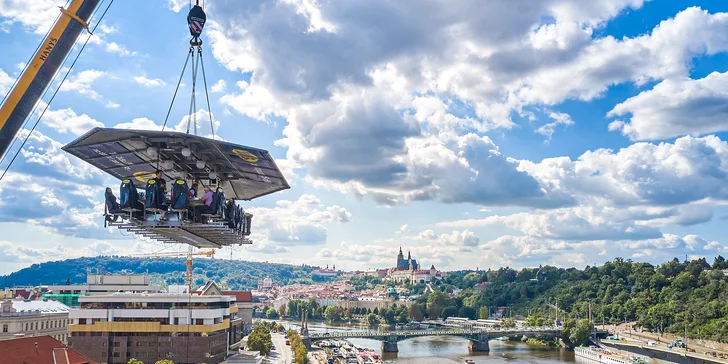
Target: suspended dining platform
column 234, row 172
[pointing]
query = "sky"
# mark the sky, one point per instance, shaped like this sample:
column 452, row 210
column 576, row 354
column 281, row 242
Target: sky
column 475, row 134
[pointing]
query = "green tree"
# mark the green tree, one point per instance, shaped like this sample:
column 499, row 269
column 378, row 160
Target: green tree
column 260, row 339
column 333, row 313
column 134, row 361
column 467, row 311
column 372, row 319
column 509, row 322
column 451, row 311
column 579, row 335
column 301, row 354
column 483, row 313
column 271, row 313
column 165, row 361
column 414, row 313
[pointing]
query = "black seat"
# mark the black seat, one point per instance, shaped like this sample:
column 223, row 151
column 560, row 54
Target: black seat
column 248, row 221
column 154, row 196
column 180, row 198
column 112, row 206
column 128, row 196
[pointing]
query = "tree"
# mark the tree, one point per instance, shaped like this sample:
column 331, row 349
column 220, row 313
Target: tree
column 134, row 361
column 333, row 313
column 260, row 339
column 271, row 313
column 372, row 319
column 483, row 313
column 509, row 322
column 300, row 354
column 451, row 311
column 282, row 311
column 579, row 335
column 467, row 311
column 165, row 361
column 433, row 311
column 402, row 317
column 414, row 313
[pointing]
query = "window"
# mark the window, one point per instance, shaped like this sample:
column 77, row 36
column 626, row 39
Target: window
column 26, row 326
column 5, row 327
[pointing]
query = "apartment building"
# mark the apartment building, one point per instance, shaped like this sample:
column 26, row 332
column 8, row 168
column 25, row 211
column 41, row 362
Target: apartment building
column 185, row 328
column 24, row 318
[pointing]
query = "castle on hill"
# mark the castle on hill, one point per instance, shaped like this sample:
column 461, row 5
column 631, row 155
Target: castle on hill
column 406, row 264
column 409, row 270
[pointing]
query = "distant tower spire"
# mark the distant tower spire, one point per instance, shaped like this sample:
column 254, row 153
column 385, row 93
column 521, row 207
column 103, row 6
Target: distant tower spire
column 409, row 256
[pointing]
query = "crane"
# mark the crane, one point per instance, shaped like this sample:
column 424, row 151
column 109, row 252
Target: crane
column 188, row 264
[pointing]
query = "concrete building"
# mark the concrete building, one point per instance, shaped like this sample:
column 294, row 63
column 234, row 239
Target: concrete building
column 102, row 284
column 20, row 318
column 151, row 327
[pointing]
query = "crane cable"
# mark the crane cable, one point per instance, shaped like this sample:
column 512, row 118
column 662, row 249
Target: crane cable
column 25, row 140
column 197, row 63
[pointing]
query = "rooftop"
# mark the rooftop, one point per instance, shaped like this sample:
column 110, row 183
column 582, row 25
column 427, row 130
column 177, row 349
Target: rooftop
column 38, row 306
column 39, row 350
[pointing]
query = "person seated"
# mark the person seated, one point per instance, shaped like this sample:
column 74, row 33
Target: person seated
column 192, row 193
column 204, row 209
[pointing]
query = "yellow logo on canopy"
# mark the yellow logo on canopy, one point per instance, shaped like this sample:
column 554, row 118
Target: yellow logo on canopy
column 245, row 155
column 180, row 182
column 125, row 181
column 144, row 176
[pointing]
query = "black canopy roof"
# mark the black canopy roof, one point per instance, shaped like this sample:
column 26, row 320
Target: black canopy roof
column 244, row 172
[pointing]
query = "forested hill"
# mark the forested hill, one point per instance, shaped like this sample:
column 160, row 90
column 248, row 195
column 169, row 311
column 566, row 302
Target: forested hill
column 230, row 274
column 674, row 297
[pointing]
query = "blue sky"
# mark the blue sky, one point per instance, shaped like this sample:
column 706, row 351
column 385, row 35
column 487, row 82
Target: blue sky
column 475, row 134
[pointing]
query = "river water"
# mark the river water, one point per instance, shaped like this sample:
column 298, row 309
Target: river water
column 448, row 349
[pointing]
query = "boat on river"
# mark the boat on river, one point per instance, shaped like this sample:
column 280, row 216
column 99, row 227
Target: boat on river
column 605, row 356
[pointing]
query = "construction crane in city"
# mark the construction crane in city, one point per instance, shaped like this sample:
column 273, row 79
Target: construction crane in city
column 188, row 264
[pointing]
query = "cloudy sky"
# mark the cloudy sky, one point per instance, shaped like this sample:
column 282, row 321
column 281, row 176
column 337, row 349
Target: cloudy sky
column 473, row 133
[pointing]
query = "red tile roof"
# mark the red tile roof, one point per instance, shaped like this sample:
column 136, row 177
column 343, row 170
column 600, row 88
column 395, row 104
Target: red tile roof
column 240, row 296
column 39, row 350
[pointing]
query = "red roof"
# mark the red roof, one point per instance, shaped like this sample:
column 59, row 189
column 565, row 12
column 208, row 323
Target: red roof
column 240, row 296
column 39, row 350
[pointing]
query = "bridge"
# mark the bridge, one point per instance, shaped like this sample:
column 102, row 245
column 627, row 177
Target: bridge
column 478, row 337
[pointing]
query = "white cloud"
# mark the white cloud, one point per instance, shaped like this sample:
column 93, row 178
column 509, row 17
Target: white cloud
column 149, row 82
column 219, row 86
column 139, row 124
column 66, row 120
column 82, row 83
column 5, row 82
column 558, row 118
column 299, row 222
column 177, row 5
column 36, row 15
column 113, row 47
column 675, row 107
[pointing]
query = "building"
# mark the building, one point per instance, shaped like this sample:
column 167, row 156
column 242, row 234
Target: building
column 244, row 303
column 326, row 272
column 23, row 318
column 96, row 284
column 265, row 284
column 412, row 276
column 406, row 264
column 189, row 328
column 39, row 350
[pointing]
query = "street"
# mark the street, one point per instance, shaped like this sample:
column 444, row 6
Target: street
column 282, row 353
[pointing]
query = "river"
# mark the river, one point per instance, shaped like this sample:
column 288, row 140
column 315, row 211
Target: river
column 446, row 350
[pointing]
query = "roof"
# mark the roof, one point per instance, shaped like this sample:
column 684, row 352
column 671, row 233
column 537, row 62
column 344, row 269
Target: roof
column 240, row 296
column 40, row 306
column 39, row 350
column 245, row 172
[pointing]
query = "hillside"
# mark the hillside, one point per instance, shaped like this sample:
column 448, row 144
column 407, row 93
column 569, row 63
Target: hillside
column 673, row 297
column 230, row 274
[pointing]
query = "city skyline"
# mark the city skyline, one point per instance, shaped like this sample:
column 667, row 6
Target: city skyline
column 472, row 135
